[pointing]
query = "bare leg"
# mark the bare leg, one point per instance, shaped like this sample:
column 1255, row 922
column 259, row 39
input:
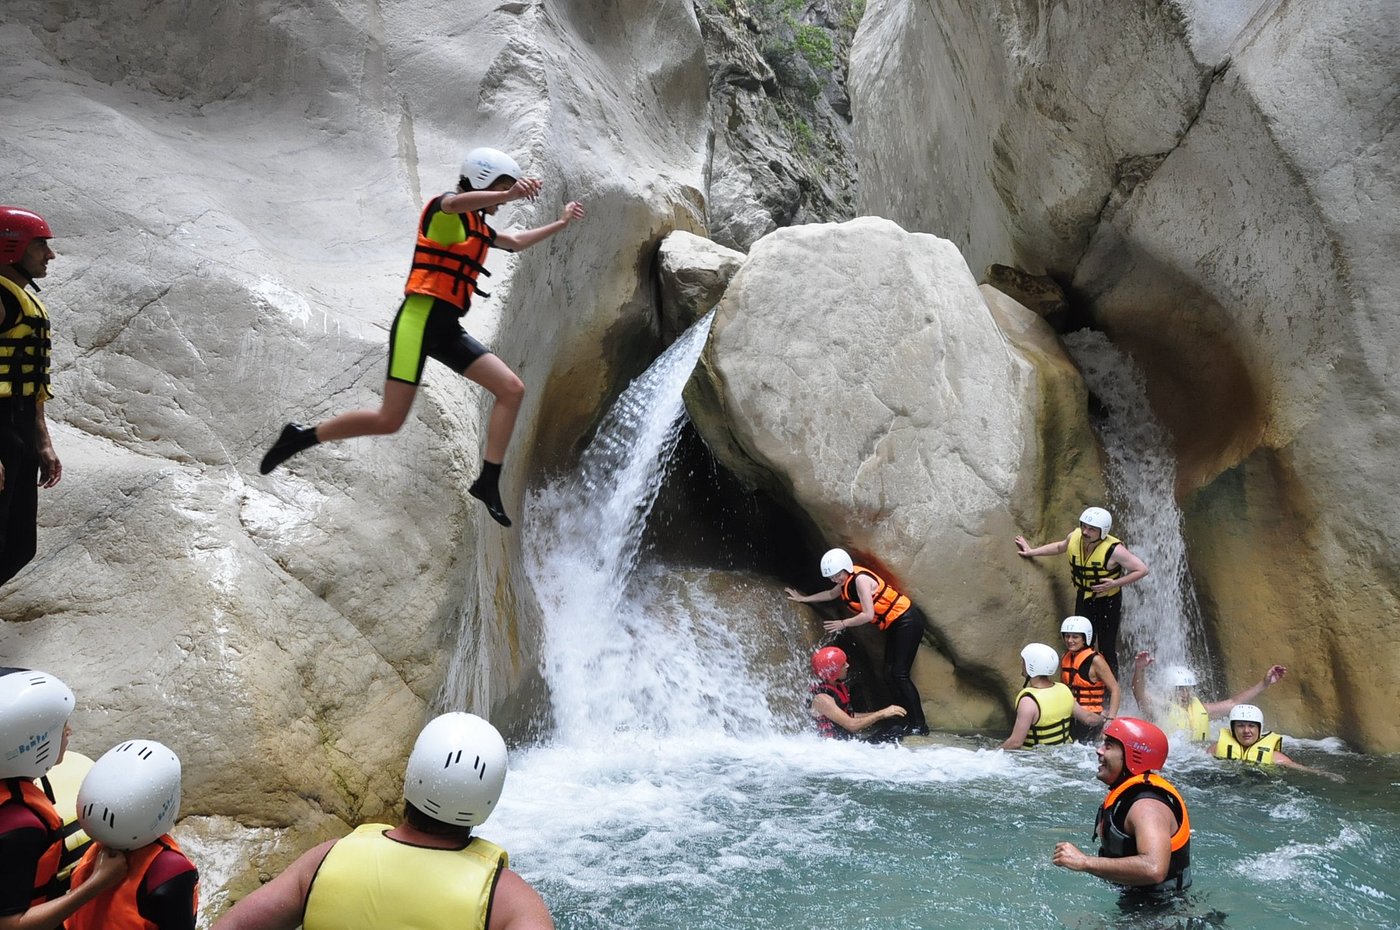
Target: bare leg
column 494, row 375
column 398, row 400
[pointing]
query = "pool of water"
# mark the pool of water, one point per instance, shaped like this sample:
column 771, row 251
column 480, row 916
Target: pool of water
column 787, row 831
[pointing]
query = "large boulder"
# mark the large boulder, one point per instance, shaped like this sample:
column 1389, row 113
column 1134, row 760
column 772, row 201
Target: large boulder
column 857, row 371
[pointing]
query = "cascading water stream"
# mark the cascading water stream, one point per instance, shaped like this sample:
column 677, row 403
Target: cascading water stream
column 1161, row 613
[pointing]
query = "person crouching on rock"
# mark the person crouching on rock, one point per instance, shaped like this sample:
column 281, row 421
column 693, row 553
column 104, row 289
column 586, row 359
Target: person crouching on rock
column 1143, row 829
column 875, row 601
column 129, row 801
column 831, row 699
column 449, row 258
column 1044, row 707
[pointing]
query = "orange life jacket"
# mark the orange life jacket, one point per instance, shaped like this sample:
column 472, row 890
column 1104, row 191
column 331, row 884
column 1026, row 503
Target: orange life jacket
column 889, row 604
column 1110, row 826
column 26, row 792
column 1074, row 671
column 448, row 269
column 116, row 908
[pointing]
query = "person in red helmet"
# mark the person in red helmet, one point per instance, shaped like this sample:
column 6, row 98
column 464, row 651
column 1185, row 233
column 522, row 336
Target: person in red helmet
column 27, row 458
column 1143, row 829
column 831, row 698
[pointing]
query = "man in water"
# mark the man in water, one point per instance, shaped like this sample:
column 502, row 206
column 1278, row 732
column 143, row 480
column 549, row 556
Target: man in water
column 1143, row 829
column 1045, row 708
column 1100, row 567
column 875, row 601
column 450, row 255
column 1087, row 674
column 1245, row 741
column 1187, row 713
column 430, row 872
column 831, row 699
column 25, row 448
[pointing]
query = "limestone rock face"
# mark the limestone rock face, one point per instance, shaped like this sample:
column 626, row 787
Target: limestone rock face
column 1217, row 183
column 694, row 273
column 905, row 421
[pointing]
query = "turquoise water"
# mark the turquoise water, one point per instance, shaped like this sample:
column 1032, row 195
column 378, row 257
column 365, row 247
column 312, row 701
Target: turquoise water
column 791, row 832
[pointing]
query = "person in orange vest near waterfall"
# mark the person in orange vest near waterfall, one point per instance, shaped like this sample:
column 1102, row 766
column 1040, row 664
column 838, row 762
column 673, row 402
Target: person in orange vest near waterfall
column 1100, row 567
column 874, row 600
column 448, row 259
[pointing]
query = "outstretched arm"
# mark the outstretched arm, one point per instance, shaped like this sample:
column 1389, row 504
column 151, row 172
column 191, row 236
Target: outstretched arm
column 1140, row 663
column 830, row 594
column 467, row 201
column 1272, row 677
column 517, row 241
column 1286, row 762
column 1026, row 550
column 826, row 706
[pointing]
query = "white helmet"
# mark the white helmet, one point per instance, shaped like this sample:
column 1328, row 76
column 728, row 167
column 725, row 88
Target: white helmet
column 456, row 770
column 1097, row 516
column 1179, row 676
column 131, row 796
column 34, row 708
column 835, row 562
column 482, row 167
column 1040, row 659
column 1247, row 713
column 1078, row 625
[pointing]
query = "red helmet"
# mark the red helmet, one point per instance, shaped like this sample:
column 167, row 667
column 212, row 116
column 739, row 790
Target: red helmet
column 827, row 662
column 18, row 227
column 1144, row 744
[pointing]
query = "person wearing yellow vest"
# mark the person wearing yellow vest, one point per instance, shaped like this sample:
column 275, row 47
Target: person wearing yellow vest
column 129, row 801
column 431, row 872
column 1100, row 567
column 1244, row 741
column 1044, row 707
column 27, row 458
column 1087, row 674
column 874, row 600
column 1143, row 828
column 34, row 711
column 449, row 259
column 1184, row 711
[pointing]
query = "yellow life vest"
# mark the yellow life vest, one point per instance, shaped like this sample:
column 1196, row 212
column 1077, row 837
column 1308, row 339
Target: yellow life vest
column 1087, row 569
column 1193, row 720
column 24, row 348
column 368, row 881
column 1261, row 753
column 1056, row 705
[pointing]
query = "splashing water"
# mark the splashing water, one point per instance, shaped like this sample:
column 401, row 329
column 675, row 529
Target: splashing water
column 1161, row 613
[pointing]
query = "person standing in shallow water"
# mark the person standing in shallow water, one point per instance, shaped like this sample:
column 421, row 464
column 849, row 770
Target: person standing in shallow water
column 1100, row 567
column 875, row 601
column 448, row 259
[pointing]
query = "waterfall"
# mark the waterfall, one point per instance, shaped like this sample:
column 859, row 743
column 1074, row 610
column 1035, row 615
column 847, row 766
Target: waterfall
column 1161, row 613
column 621, row 651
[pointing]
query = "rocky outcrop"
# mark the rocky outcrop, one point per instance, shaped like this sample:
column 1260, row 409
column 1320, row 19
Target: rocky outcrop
column 911, row 424
column 1216, row 183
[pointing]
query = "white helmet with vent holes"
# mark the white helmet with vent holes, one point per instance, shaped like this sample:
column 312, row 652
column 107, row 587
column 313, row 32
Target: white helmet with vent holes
column 456, row 770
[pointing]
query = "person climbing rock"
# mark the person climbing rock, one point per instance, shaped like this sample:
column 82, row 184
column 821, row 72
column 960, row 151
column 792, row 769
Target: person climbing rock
column 1100, row 567
column 874, row 600
column 1143, row 828
column 1087, row 674
column 431, row 871
column 830, row 706
column 1045, row 708
column 1184, row 711
column 27, row 458
column 448, row 260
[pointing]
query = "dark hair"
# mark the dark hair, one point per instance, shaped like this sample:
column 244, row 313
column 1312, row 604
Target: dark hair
column 421, row 821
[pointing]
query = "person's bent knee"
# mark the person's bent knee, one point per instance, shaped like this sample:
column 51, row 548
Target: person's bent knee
column 512, row 392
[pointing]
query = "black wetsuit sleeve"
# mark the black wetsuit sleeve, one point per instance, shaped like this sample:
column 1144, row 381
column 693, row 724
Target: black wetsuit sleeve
column 10, row 310
column 20, row 852
column 170, row 906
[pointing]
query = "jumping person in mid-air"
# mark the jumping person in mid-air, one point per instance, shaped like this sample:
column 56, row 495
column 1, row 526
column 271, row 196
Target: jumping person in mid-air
column 453, row 239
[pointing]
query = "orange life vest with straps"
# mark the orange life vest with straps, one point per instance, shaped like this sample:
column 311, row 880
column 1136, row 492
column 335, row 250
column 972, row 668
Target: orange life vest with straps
column 1074, row 671
column 1111, row 830
column 23, row 791
column 889, row 604
column 116, row 908
column 449, row 255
